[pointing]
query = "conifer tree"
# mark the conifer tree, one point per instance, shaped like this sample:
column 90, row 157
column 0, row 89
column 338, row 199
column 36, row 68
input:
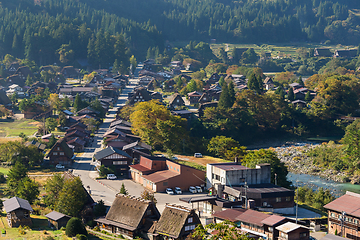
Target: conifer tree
column 123, row 190
column 224, row 101
column 300, row 81
column 231, row 89
column 291, row 95
column 308, row 97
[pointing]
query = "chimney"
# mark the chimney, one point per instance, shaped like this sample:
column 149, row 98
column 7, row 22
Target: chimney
column 237, row 161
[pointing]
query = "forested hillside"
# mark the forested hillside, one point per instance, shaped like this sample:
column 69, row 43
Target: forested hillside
column 49, row 30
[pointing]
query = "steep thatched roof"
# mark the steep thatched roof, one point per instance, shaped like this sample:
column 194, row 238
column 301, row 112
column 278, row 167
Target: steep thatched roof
column 128, row 210
column 173, row 220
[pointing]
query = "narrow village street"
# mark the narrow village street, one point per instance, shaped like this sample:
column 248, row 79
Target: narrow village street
column 106, row 189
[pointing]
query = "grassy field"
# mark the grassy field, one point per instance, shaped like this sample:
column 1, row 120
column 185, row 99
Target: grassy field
column 13, row 129
column 279, row 49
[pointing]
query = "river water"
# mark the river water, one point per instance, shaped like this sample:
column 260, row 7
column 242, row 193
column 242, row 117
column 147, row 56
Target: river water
column 315, row 182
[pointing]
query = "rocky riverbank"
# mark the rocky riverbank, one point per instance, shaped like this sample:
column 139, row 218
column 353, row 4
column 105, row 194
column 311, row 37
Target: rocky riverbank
column 296, row 159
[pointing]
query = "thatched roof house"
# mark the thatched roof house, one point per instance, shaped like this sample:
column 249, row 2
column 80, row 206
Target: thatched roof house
column 176, row 222
column 129, row 216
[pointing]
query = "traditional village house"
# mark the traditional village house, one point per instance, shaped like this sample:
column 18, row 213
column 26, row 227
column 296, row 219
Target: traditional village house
column 159, row 173
column 176, row 222
column 60, row 153
column 293, row 231
column 176, row 101
column 203, row 106
column 140, row 95
column 269, row 84
column 113, row 157
column 344, row 215
column 205, row 97
column 183, row 114
column 13, row 67
column 18, row 212
column 77, row 144
column 299, row 103
column 137, row 149
column 57, row 220
column 129, row 216
column 322, row 52
column 69, row 72
column 16, row 79
column 84, row 136
column 347, row 53
column 126, row 130
column 24, row 72
column 40, row 146
column 120, row 122
column 4, row 99
column 194, row 97
column 47, row 69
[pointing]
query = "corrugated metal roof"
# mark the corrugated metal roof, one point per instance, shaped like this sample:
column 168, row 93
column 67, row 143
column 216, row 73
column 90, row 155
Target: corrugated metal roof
column 348, row 203
column 56, row 215
column 229, row 214
column 289, row 227
column 229, row 166
column 332, row 237
column 16, row 203
column 272, row 220
column 253, row 217
column 160, row 176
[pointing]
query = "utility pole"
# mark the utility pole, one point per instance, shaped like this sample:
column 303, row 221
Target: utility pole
column 246, row 195
column 297, row 200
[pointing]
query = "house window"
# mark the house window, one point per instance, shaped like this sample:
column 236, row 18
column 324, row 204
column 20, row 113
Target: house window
column 140, row 96
column 303, row 234
column 242, row 180
column 26, row 215
column 356, row 221
column 190, row 220
column 58, row 148
column 332, row 215
column 177, row 100
column 119, row 162
column 148, row 212
column 165, row 183
column 189, row 228
column 61, row 153
column 137, row 96
column 288, row 199
column 278, row 199
column 54, row 153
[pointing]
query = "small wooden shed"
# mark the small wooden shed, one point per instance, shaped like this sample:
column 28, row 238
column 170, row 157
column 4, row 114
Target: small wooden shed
column 57, row 219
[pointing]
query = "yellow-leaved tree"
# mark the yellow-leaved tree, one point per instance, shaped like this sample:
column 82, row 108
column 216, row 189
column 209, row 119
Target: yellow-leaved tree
column 154, row 123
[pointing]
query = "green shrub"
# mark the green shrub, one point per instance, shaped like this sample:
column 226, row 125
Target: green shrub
column 62, row 228
column 91, row 223
column 81, row 237
column 96, row 228
column 2, row 178
column 49, row 238
column 3, row 231
column 75, row 227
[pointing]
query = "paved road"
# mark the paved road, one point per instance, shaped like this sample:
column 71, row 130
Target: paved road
column 83, row 165
column 106, row 189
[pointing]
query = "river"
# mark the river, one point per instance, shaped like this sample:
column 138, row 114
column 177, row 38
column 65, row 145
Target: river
column 315, row 182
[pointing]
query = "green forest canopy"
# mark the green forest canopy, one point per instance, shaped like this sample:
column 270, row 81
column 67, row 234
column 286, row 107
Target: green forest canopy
column 105, row 30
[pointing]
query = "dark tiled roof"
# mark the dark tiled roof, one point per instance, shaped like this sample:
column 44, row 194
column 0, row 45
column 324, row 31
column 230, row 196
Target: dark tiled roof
column 109, row 151
column 16, row 203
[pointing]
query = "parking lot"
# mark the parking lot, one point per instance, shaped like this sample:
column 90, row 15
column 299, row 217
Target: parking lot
column 136, row 189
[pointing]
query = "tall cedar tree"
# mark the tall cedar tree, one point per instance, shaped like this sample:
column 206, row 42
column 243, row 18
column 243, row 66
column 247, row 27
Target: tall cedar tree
column 253, row 83
column 225, row 99
column 291, row 95
column 231, row 89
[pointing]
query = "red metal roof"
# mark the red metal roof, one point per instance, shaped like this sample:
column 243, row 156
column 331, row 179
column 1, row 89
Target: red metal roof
column 140, row 168
column 229, row 214
column 160, row 176
column 348, row 203
column 253, row 217
column 272, row 220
